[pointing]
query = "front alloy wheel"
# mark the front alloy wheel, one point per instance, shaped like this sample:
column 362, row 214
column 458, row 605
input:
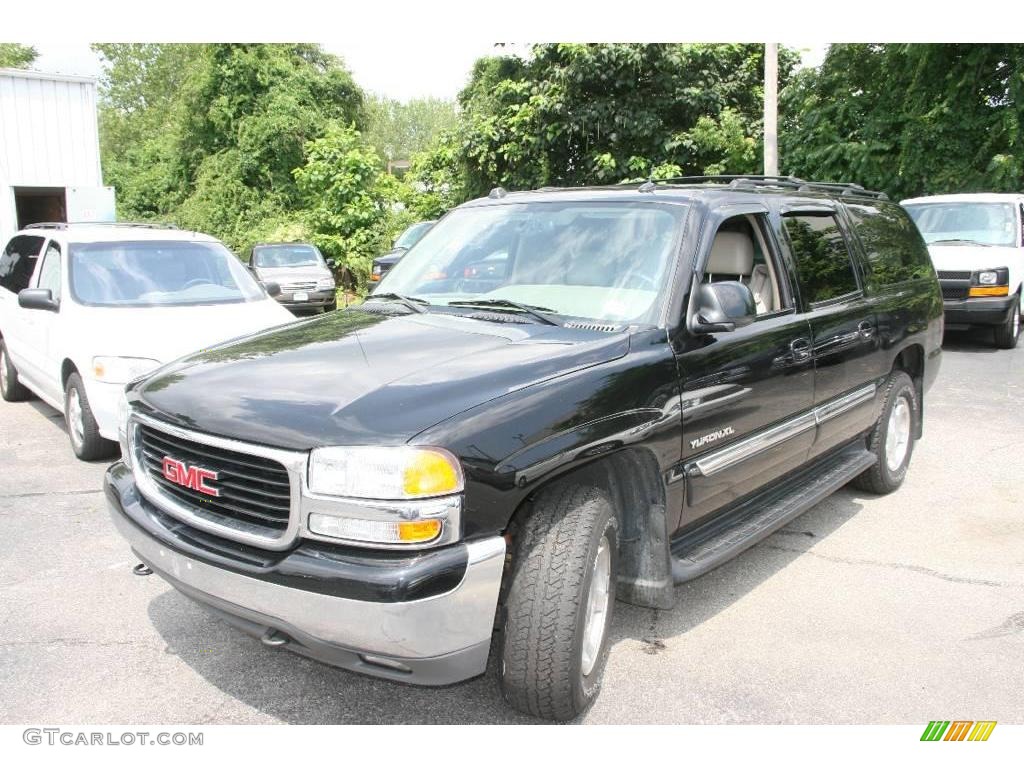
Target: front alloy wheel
column 559, row 605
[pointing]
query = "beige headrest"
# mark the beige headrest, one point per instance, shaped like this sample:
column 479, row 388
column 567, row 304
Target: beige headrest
column 732, row 253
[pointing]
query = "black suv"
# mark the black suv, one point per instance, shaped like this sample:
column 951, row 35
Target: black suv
column 566, row 397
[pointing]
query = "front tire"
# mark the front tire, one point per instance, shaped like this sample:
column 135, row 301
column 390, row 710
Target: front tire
column 892, row 438
column 84, row 432
column 11, row 389
column 1008, row 333
column 559, row 605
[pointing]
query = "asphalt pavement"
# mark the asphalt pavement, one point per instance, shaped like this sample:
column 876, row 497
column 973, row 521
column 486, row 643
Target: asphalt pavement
column 880, row 610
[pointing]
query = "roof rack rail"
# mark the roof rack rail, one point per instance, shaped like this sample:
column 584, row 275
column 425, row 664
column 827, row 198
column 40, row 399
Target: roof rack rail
column 845, row 188
column 47, row 225
column 66, row 224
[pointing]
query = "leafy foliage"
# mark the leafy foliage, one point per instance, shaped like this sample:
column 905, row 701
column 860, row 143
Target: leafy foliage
column 17, row 55
column 909, row 119
column 398, row 130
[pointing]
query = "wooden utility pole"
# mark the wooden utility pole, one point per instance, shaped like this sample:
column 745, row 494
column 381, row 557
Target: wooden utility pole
column 771, row 109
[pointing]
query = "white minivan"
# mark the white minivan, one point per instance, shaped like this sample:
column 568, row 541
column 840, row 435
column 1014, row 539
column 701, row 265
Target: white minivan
column 976, row 242
column 86, row 308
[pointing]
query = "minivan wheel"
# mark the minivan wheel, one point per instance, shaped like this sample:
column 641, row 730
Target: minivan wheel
column 892, row 437
column 11, row 389
column 559, row 605
column 1008, row 333
column 86, row 441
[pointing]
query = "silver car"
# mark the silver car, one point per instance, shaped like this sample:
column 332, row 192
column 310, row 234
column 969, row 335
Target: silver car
column 299, row 269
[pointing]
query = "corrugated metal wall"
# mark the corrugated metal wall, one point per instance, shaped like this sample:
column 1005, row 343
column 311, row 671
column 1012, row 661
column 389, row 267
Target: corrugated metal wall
column 48, row 132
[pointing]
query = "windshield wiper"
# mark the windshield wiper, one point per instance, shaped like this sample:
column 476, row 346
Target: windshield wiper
column 960, row 240
column 540, row 313
column 415, row 303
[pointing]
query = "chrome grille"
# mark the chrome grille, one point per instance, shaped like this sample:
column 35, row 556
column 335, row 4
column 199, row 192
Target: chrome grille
column 293, row 287
column 256, row 493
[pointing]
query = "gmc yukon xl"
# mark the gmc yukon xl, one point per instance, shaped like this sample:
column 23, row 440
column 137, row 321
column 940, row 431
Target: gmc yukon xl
column 558, row 399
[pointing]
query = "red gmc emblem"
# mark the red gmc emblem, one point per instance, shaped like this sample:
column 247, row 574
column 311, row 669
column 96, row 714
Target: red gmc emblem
column 190, row 477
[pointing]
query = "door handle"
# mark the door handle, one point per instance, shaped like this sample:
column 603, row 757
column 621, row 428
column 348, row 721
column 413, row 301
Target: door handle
column 866, row 329
column 801, row 349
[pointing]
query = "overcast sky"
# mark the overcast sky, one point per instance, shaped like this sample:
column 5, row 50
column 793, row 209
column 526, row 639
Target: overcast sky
column 404, row 71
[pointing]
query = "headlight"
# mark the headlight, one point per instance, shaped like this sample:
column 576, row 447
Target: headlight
column 384, row 473
column 990, row 282
column 987, row 278
column 123, row 412
column 121, row 370
column 325, row 284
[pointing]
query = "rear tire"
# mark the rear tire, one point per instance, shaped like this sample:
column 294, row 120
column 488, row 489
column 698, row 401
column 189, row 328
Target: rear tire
column 11, row 389
column 1008, row 333
column 892, row 437
column 559, row 606
column 83, row 431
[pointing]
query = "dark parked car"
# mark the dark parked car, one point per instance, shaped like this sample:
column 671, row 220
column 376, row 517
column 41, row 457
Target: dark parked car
column 564, row 398
column 405, row 241
column 301, row 272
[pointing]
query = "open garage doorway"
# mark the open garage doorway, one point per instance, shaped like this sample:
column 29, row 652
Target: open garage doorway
column 37, row 204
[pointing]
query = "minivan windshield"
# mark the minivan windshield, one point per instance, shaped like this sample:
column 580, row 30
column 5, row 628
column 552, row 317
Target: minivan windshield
column 595, row 260
column 965, row 223
column 157, row 273
column 286, row 256
column 412, row 235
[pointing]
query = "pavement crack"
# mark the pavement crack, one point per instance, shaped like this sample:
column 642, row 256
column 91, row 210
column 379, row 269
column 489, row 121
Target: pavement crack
column 899, row 566
column 30, row 494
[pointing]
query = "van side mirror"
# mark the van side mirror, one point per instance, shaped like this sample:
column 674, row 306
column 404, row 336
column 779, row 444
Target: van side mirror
column 272, row 289
column 37, row 298
column 723, row 307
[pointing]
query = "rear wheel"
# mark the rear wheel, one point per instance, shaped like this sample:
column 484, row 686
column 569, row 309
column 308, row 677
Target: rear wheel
column 1008, row 333
column 559, row 605
column 892, row 438
column 11, row 389
column 84, row 432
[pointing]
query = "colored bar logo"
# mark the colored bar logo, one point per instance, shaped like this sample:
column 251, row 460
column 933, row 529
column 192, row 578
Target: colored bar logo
column 958, row 730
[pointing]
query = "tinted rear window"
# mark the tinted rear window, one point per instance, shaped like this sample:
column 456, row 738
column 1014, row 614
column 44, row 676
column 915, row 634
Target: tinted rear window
column 893, row 246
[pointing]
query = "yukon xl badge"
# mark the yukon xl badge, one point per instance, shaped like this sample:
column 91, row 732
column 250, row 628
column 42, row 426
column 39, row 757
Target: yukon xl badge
column 712, row 437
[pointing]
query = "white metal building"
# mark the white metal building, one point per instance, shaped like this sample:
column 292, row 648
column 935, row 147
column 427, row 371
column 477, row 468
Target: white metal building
column 49, row 151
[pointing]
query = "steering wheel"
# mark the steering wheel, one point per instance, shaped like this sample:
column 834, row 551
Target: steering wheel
column 644, row 279
column 194, row 282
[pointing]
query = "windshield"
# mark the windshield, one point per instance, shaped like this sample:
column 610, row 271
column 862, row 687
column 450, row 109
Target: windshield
column 984, row 223
column 606, row 261
column 286, row 256
column 411, row 236
column 157, row 273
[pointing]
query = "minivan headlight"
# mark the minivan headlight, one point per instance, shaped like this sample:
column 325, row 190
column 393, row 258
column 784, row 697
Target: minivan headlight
column 121, row 370
column 325, row 284
column 123, row 414
column 400, row 472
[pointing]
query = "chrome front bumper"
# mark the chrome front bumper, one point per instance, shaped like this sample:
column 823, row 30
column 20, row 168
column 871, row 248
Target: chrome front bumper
column 436, row 640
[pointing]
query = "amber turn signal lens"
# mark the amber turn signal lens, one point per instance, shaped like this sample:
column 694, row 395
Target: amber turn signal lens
column 989, row 290
column 418, row 530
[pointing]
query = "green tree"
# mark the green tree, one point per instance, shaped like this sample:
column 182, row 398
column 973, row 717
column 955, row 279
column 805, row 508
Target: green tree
column 398, row 130
column 17, row 55
column 581, row 113
column 349, row 200
column 909, row 119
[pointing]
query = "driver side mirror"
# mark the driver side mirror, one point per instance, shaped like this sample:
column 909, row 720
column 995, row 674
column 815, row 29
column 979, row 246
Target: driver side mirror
column 37, row 298
column 272, row 289
column 723, row 307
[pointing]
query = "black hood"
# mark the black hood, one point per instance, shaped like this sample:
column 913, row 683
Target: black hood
column 357, row 378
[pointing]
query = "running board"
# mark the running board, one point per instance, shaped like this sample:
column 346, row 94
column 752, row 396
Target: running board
column 709, row 546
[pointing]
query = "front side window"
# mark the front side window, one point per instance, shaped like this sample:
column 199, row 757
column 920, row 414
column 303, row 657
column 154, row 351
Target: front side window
column 286, row 256
column 966, row 223
column 49, row 273
column 823, row 265
column 158, row 273
column 19, row 261
column 608, row 261
column 412, row 235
